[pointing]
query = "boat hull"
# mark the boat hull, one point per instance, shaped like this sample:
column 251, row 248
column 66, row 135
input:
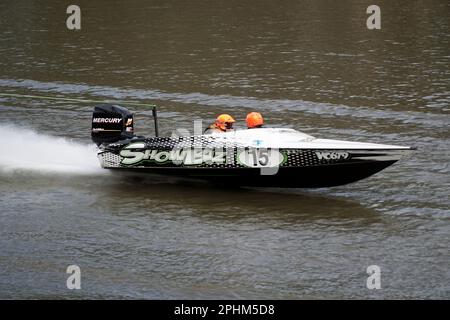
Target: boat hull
column 299, row 168
column 291, row 177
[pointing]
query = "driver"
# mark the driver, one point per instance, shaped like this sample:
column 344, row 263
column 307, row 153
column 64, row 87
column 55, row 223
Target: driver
column 223, row 123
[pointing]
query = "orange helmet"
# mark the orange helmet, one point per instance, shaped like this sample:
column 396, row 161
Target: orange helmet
column 254, row 120
column 225, row 121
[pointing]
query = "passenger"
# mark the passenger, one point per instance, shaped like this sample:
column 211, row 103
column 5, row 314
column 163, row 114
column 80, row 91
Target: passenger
column 254, row 120
column 223, row 123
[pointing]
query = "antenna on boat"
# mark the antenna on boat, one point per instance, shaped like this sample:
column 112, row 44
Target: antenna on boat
column 155, row 118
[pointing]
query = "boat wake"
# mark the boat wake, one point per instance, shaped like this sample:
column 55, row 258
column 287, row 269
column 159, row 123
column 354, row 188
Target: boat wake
column 26, row 150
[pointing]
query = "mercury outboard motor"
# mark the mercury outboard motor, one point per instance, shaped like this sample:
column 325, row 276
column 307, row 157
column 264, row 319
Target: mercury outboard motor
column 111, row 123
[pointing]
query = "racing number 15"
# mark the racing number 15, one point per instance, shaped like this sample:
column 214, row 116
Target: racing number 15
column 260, row 157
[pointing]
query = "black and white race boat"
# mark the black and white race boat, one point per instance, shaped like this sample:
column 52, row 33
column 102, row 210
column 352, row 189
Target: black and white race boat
column 265, row 157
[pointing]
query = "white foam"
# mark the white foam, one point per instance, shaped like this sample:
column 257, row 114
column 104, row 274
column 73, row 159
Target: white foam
column 26, row 150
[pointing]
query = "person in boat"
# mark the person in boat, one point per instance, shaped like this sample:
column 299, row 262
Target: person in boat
column 254, row 120
column 223, row 123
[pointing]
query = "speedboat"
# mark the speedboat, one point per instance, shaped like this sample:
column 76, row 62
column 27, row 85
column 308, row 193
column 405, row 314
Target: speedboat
column 265, row 157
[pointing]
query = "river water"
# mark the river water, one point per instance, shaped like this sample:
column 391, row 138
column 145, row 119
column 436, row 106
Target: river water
column 308, row 65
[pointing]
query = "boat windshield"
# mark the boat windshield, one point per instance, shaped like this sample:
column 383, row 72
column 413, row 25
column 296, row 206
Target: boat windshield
column 280, row 134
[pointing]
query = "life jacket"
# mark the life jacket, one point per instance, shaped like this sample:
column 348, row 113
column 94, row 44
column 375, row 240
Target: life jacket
column 213, row 128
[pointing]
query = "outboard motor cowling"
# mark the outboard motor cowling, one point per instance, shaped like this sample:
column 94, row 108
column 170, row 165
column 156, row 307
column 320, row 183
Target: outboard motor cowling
column 111, row 123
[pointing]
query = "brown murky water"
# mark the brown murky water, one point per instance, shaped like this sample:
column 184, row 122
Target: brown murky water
column 310, row 65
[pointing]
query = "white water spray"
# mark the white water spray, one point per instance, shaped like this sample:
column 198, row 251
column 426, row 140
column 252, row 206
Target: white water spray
column 25, row 150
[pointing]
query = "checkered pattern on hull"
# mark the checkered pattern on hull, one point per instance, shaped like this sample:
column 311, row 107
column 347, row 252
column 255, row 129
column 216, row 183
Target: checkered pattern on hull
column 110, row 160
